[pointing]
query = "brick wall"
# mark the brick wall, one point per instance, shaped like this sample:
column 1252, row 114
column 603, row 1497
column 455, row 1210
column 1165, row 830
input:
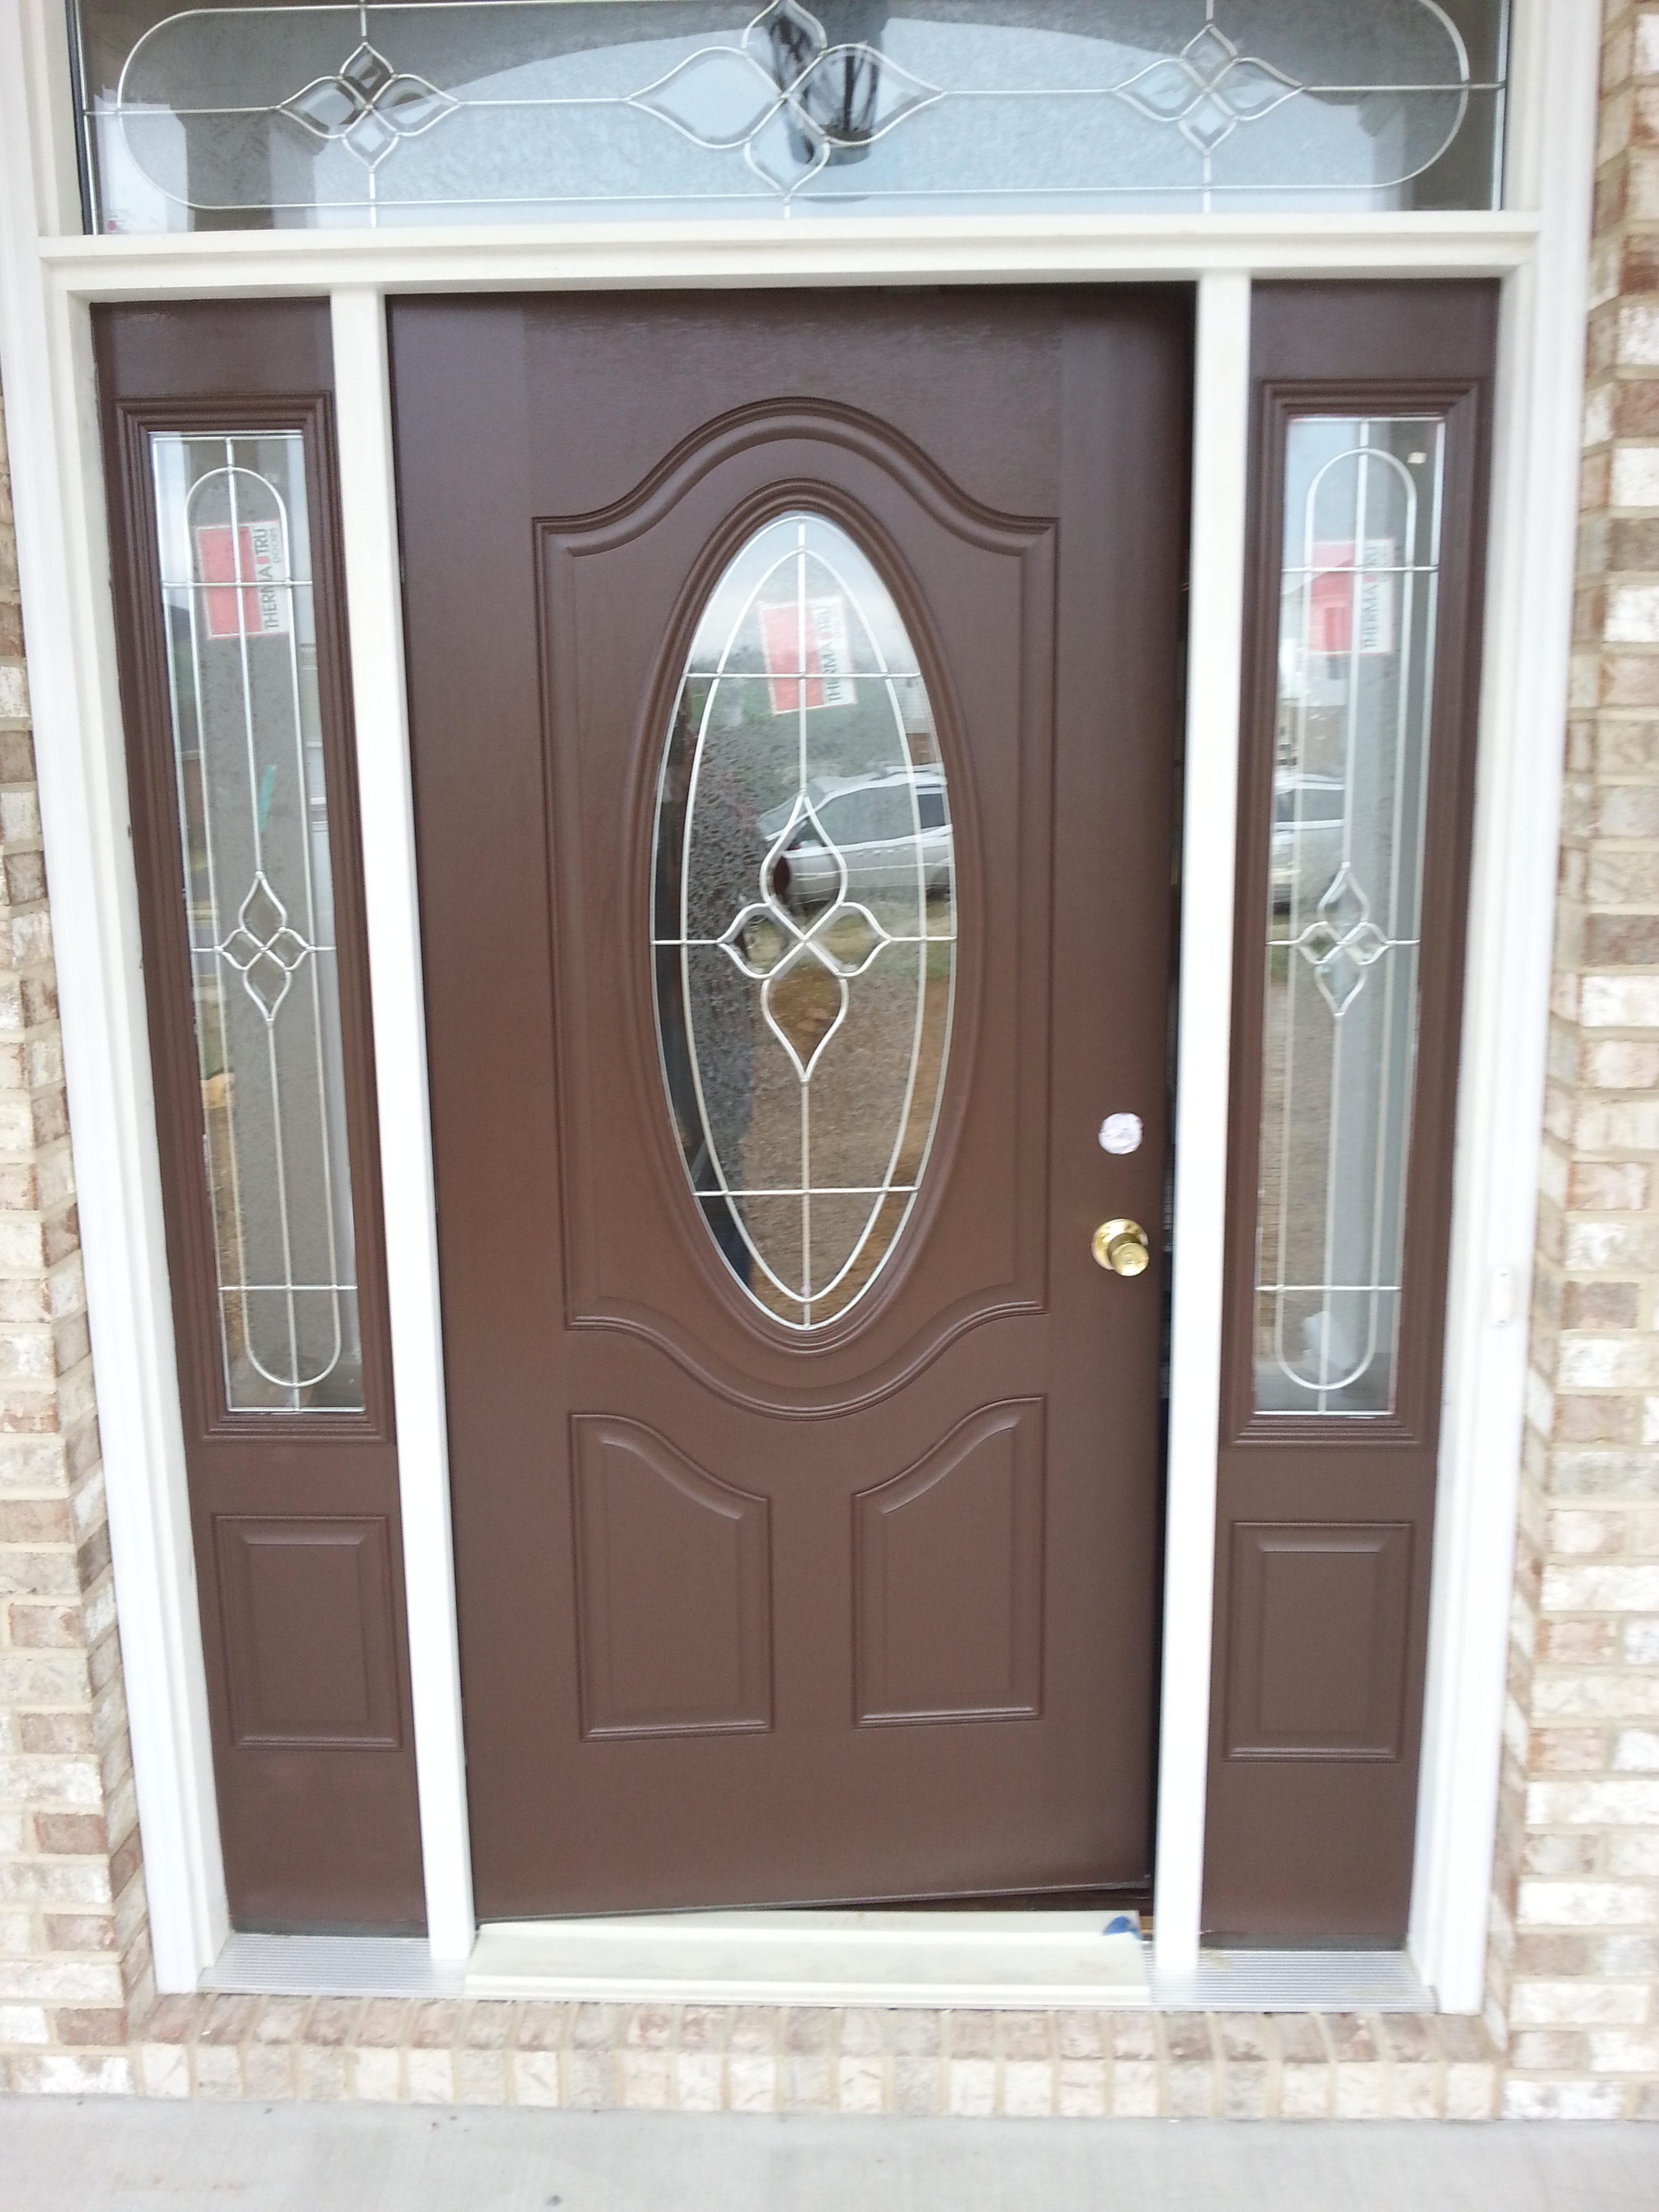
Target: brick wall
column 74, row 1942
column 1575, row 1974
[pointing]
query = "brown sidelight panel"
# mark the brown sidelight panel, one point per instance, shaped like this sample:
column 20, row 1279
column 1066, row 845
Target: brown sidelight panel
column 793, row 691
column 1371, row 426
column 220, row 461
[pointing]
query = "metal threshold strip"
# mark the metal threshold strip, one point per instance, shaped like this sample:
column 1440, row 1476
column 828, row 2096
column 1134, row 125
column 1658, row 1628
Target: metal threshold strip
column 995, row 1960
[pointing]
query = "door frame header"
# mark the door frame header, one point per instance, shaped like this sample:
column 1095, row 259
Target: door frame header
column 49, row 276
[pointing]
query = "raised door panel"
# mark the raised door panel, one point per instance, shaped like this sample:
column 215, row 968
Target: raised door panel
column 1319, row 1619
column 308, row 1614
column 949, row 1577
column 673, row 1589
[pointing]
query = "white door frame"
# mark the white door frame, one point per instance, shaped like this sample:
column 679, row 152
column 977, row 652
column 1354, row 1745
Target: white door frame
column 49, row 276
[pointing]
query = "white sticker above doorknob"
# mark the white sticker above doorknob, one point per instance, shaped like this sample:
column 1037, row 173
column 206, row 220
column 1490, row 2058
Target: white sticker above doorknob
column 1120, row 1132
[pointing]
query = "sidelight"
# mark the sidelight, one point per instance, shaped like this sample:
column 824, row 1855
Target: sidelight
column 241, row 664
column 804, row 924
column 470, row 110
column 1359, row 589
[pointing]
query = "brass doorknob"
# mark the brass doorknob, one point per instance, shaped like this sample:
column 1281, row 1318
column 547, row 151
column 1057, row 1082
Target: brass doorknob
column 1121, row 1246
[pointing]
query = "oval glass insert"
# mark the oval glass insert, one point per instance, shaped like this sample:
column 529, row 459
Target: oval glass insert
column 803, row 922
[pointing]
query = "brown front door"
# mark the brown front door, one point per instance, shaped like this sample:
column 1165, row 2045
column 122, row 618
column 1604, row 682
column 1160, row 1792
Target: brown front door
column 793, row 695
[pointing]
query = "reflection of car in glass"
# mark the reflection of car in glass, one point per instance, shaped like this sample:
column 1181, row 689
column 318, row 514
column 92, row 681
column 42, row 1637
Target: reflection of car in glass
column 1307, row 813
column 872, row 824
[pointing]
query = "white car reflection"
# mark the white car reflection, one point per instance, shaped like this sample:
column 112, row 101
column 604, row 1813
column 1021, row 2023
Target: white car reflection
column 1308, row 815
column 884, row 825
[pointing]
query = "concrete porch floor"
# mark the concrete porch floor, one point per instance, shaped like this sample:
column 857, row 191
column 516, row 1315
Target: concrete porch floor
column 134, row 2155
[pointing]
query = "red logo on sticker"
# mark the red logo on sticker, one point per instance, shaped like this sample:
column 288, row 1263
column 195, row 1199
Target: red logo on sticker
column 248, row 564
column 824, row 658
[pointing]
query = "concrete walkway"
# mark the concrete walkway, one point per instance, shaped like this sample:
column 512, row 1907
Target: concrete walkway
column 59, row 2155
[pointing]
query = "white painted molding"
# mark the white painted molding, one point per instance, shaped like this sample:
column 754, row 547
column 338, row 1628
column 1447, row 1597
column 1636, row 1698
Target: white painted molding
column 1221, row 393
column 64, row 562
column 374, row 609
column 1555, row 55
column 870, row 250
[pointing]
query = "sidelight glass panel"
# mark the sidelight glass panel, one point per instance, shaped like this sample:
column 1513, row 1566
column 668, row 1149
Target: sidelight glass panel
column 1356, row 665
column 803, row 923
column 226, row 115
column 241, row 649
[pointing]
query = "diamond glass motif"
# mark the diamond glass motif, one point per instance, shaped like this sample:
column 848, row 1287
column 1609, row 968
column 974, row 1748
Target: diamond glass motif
column 719, row 100
column 368, row 106
column 803, row 934
column 1208, row 89
column 367, row 74
column 265, row 951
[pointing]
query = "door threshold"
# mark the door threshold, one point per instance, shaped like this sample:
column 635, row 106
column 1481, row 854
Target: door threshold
column 330, row 1966
column 820, row 1957
column 934, row 1958
column 1295, row 1981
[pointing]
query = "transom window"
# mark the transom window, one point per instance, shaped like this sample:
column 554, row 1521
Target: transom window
column 216, row 116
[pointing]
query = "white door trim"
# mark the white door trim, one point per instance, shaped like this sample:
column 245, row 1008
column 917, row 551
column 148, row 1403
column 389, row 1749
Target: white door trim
column 368, row 505
column 1532, row 541
column 45, row 366
column 48, row 275
column 1221, row 406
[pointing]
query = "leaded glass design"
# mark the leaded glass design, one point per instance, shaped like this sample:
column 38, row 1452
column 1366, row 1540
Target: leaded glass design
column 466, row 110
column 241, row 650
column 1356, row 665
column 804, row 920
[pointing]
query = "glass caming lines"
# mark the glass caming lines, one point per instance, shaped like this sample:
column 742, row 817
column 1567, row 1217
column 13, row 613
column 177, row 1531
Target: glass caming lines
column 804, row 926
column 241, row 643
column 1356, row 665
column 383, row 112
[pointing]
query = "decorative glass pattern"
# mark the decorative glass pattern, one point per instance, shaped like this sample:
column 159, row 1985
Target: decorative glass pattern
column 388, row 112
column 804, row 922
column 1356, row 665
column 241, row 640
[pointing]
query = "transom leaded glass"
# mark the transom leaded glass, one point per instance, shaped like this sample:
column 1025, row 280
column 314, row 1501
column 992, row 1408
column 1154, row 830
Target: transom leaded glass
column 254, row 115
column 804, row 920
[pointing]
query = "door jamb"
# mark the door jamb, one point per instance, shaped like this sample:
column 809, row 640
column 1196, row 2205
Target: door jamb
column 1215, row 628
column 369, row 508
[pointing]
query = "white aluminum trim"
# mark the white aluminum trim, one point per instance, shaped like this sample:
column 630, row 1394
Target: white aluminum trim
column 1033, row 1960
column 63, row 559
column 1557, row 52
column 1221, row 395
column 962, row 1959
column 613, row 257
column 368, row 507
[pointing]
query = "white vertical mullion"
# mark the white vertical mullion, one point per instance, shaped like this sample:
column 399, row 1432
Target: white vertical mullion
column 369, row 508
column 63, row 546
column 1556, row 56
column 1216, row 619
